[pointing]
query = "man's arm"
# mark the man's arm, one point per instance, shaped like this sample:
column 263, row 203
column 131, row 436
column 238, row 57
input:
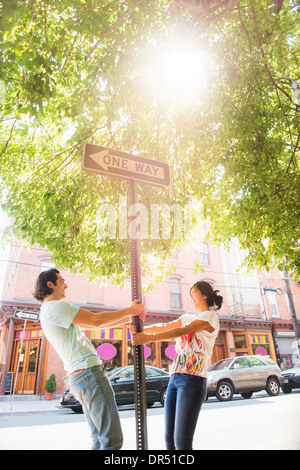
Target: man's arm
column 87, row 319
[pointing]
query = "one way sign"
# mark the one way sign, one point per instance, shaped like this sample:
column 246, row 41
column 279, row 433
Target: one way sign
column 109, row 162
column 21, row 315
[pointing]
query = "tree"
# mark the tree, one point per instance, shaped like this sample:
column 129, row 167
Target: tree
column 81, row 71
column 253, row 192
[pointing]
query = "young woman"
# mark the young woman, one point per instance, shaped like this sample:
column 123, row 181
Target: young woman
column 196, row 335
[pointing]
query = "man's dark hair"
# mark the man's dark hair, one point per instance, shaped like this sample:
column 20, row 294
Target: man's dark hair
column 41, row 290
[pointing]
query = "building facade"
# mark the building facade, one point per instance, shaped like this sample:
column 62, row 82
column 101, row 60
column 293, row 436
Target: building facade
column 255, row 317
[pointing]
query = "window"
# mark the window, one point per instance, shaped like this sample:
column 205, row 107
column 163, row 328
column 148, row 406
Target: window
column 254, row 361
column 152, row 372
column 203, row 249
column 175, row 293
column 273, row 304
column 240, row 342
column 45, row 264
column 260, row 343
column 240, row 363
column 268, row 360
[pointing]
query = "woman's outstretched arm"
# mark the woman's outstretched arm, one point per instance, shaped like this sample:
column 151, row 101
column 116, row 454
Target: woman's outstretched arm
column 164, row 335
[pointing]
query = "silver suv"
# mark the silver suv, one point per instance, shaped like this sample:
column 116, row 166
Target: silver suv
column 244, row 375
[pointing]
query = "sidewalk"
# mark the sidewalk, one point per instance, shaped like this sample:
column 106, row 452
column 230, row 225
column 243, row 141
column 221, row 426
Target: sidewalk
column 27, row 404
column 261, row 423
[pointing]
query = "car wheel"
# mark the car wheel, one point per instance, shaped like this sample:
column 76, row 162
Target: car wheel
column 224, row 391
column 286, row 389
column 163, row 396
column 272, row 387
column 77, row 409
column 247, row 395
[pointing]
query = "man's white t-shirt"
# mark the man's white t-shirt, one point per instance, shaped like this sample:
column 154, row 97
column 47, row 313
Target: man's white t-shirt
column 68, row 340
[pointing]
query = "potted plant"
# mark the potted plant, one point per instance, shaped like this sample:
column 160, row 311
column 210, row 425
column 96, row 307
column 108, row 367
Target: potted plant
column 50, row 387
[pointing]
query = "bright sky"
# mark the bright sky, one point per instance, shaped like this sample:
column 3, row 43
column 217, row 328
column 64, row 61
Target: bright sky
column 179, row 70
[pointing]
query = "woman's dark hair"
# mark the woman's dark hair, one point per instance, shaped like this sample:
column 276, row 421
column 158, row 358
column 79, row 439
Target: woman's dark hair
column 213, row 299
column 41, row 290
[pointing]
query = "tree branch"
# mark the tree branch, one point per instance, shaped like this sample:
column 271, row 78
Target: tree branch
column 9, row 139
column 119, row 20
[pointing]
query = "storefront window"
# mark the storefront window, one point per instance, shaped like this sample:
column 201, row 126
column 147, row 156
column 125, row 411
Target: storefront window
column 167, row 355
column 109, row 352
column 129, row 354
column 260, row 344
column 108, row 344
column 149, row 354
column 288, row 360
column 240, row 342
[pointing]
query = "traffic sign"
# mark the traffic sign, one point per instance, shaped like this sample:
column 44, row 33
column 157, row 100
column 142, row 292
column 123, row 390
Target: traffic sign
column 21, row 315
column 110, row 162
column 134, row 168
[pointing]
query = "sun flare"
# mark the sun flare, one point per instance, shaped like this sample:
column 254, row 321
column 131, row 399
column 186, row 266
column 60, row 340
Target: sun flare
column 179, row 71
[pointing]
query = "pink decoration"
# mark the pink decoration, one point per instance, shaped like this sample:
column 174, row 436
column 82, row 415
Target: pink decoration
column 170, row 352
column 147, row 352
column 106, row 351
column 261, row 351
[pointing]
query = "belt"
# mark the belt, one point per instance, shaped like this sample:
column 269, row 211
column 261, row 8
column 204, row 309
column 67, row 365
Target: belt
column 78, row 371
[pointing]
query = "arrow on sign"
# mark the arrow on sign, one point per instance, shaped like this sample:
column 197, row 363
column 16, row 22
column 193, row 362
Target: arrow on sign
column 99, row 159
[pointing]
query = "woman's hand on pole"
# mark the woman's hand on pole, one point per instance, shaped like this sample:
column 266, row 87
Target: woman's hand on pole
column 140, row 339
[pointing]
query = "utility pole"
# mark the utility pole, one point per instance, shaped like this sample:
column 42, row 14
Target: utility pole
column 292, row 310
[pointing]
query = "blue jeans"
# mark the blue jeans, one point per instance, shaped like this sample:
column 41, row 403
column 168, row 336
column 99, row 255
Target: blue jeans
column 185, row 395
column 92, row 388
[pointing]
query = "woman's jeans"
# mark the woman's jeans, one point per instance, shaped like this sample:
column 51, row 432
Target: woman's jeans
column 92, row 388
column 185, row 395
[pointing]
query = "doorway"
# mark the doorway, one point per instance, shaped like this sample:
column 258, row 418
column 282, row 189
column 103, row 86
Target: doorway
column 28, row 365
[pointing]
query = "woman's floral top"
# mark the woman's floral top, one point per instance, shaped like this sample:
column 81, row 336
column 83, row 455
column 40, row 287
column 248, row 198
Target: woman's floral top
column 195, row 349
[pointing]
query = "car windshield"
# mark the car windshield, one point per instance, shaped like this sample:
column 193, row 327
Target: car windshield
column 113, row 371
column 296, row 364
column 224, row 364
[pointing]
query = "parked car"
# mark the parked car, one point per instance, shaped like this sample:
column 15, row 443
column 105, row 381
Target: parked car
column 122, row 381
column 291, row 378
column 244, row 375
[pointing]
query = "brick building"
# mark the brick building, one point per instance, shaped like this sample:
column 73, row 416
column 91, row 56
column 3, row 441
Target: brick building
column 255, row 316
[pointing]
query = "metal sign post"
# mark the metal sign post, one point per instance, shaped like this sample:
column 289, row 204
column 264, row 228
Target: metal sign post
column 138, row 355
column 122, row 165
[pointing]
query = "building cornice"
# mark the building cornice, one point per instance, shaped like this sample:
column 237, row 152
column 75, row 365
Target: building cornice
column 233, row 323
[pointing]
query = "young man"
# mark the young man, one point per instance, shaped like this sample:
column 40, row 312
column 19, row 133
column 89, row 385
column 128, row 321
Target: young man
column 61, row 323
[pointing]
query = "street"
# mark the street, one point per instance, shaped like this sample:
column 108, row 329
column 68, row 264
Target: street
column 260, row 423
